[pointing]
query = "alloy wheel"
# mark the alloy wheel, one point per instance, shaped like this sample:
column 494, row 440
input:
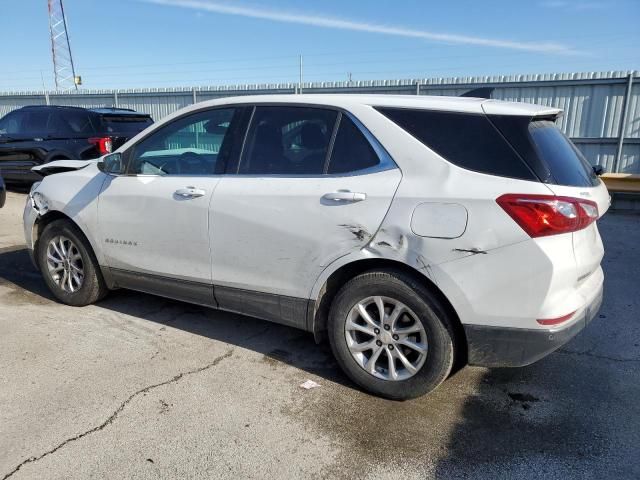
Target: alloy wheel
column 64, row 263
column 386, row 338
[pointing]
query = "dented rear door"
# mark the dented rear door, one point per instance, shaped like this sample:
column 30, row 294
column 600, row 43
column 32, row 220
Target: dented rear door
column 276, row 234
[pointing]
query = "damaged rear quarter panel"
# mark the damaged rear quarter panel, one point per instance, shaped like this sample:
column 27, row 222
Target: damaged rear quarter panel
column 427, row 177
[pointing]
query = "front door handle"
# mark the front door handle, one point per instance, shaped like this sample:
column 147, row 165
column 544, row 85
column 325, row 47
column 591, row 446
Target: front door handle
column 345, row 196
column 190, row 192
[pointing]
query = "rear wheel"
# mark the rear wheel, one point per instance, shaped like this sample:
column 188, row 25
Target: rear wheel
column 68, row 265
column 390, row 335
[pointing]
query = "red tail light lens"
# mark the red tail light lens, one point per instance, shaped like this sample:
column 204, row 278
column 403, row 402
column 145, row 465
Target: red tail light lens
column 104, row 144
column 543, row 215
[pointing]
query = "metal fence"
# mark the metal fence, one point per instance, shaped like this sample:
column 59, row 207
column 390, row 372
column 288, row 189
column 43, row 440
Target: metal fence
column 602, row 109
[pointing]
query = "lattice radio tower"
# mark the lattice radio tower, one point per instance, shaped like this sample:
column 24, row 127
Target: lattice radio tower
column 64, row 73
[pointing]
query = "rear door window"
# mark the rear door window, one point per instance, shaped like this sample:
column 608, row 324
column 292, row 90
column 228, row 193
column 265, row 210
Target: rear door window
column 288, row 141
column 352, row 151
column 79, row 123
column 70, row 124
column 467, row 140
column 36, row 123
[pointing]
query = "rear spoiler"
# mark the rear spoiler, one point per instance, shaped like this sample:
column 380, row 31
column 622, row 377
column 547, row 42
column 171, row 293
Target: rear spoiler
column 60, row 166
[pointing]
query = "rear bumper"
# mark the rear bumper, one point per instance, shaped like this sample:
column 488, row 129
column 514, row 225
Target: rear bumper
column 517, row 347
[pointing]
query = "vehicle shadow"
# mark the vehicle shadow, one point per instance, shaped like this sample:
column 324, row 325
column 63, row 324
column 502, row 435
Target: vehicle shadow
column 277, row 343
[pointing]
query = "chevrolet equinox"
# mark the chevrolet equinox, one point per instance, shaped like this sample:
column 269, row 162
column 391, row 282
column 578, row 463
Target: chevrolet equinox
column 414, row 233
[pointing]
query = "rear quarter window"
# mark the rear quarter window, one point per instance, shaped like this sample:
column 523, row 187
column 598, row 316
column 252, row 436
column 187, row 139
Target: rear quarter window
column 125, row 124
column 467, row 140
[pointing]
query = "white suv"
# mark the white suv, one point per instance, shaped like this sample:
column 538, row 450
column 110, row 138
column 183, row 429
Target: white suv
column 416, row 233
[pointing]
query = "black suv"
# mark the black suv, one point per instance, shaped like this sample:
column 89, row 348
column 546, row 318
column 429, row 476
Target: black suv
column 34, row 135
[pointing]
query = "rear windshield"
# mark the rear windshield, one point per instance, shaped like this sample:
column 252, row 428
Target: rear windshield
column 565, row 162
column 125, row 123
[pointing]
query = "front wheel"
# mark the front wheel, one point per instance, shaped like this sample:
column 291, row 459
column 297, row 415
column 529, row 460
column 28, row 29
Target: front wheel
column 390, row 335
column 68, row 265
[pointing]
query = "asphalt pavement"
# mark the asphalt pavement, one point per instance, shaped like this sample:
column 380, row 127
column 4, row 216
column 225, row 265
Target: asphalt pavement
column 139, row 386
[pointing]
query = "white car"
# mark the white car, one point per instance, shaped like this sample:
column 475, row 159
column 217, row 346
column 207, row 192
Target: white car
column 416, row 233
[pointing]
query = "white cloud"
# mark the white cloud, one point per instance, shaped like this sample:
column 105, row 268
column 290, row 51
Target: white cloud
column 345, row 24
column 575, row 5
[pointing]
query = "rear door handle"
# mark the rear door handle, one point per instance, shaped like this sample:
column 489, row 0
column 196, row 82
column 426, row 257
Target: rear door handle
column 190, row 192
column 345, row 196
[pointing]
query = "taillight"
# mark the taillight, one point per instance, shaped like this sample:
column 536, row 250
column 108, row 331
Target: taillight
column 104, row 144
column 543, row 215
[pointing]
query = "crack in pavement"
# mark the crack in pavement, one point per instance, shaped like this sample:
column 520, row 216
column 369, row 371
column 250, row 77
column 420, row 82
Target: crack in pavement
column 119, row 410
column 595, row 355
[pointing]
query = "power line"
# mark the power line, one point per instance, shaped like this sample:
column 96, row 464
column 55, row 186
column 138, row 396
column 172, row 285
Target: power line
column 311, row 69
column 312, row 65
column 327, row 53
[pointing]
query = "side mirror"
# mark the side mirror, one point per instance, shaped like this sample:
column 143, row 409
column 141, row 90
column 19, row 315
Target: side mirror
column 598, row 169
column 112, row 164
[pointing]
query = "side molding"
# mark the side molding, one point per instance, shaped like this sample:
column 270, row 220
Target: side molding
column 289, row 311
column 192, row 292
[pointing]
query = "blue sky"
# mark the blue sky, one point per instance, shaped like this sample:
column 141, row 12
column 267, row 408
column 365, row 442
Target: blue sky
column 165, row 43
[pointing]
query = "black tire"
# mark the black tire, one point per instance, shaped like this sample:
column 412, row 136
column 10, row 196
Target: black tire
column 437, row 325
column 93, row 286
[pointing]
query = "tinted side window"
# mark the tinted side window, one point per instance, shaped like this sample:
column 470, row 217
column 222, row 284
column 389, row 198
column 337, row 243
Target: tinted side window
column 36, row 123
column 288, row 140
column 79, row 122
column 187, row 146
column 11, row 124
column 125, row 124
column 467, row 140
column 70, row 123
column 351, row 150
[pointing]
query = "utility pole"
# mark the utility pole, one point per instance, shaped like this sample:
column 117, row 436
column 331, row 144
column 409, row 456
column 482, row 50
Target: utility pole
column 64, row 72
column 300, row 81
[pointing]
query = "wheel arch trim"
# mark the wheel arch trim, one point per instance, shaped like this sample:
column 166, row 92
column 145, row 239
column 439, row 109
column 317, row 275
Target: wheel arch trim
column 51, row 216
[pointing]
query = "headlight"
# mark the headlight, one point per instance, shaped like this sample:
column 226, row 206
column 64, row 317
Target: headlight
column 34, row 186
column 40, row 202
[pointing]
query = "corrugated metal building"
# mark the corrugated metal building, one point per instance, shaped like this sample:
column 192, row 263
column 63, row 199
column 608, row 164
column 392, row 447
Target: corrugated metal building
column 602, row 109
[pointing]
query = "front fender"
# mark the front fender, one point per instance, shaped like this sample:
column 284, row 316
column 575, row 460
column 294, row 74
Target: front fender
column 75, row 195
